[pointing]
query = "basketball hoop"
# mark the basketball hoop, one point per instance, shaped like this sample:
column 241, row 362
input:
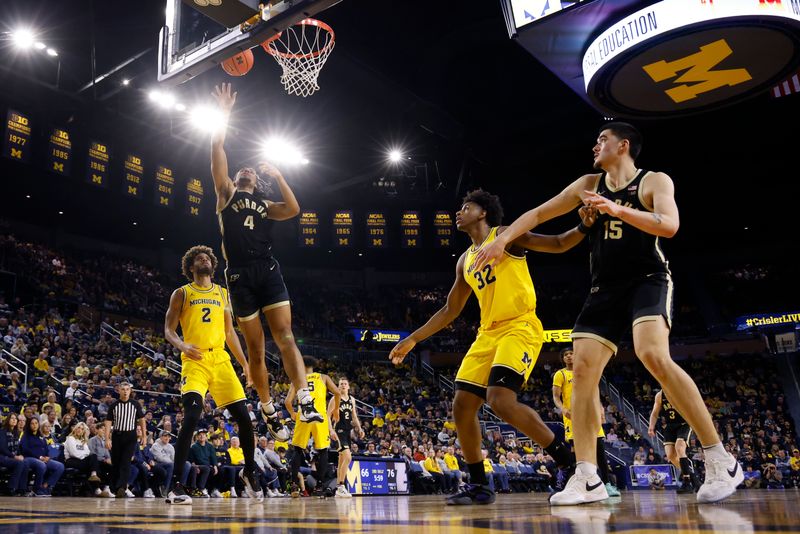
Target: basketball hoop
column 301, row 50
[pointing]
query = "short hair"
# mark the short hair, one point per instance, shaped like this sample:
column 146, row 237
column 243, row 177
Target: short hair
column 309, row 361
column 489, row 202
column 564, row 352
column 624, row 130
column 191, row 254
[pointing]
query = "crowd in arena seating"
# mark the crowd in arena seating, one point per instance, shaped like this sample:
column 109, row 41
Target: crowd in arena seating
column 74, row 369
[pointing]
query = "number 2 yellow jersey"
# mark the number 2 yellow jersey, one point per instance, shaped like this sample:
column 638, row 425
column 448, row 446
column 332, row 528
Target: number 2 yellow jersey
column 203, row 316
column 505, row 291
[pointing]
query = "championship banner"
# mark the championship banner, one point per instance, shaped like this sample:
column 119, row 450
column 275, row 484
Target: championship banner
column 643, row 476
column 165, row 184
column 134, row 173
column 194, row 196
column 59, row 152
column 97, row 166
column 746, row 322
column 343, row 228
column 443, row 224
column 377, row 476
column 309, row 228
column 17, row 144
column 379, row 335
column 409, row 229
column 376, row 230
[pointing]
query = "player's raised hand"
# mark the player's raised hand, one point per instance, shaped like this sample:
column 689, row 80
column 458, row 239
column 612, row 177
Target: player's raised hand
column 601, row 204
column 588, row 215
column 191, row 352
column 399, row 352
column 490, row 254
column 225, row 99
column 266, row 168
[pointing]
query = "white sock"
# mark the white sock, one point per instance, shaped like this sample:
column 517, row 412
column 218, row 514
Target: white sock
column 268, row 408
column 303, row 396
column 716, row 452
column 586, row 469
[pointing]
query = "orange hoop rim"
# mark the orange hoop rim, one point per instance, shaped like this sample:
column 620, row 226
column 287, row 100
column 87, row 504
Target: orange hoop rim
column 316, row 53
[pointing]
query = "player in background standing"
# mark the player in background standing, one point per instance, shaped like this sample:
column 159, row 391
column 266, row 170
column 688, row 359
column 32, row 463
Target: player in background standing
column 348, row 421
column 676, row 436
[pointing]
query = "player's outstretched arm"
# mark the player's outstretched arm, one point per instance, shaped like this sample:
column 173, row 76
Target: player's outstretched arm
column 235, row 346
column 654, row 414
column 557, row 243
column 171, row 325
column 280, row 211
column 456, row 300
column 290, row 395
column 564, row 202
column 219, row 161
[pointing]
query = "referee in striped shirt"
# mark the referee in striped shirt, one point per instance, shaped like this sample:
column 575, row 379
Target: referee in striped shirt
column 124, row 414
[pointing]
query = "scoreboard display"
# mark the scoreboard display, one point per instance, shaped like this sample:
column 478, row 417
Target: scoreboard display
column 377, row 476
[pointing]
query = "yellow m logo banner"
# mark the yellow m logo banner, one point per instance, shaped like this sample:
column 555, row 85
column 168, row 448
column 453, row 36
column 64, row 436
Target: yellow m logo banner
column 698, row 72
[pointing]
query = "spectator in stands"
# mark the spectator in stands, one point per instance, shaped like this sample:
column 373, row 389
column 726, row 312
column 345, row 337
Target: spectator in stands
column 164, row 456
column 773, row 478
column 276, row 462
column 36, row 453
column 10, row 457
column 97, row 446
column 656, row 480
column 82, row 370
column 78, row 456
column 431, row 466
column 71, row 390
column 146, row 466
column 452, row 477
column 51, row 401
column 41, row 364
column 752, row 477
column 203, row 457
column 55, row 449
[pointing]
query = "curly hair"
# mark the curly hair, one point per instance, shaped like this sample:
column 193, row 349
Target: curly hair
column 191, row 254
column 489, row 202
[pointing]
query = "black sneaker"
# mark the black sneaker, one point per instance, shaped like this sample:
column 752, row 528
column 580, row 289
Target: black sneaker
column 473, row 494
column 251, row 485
column 178, row 495
column 120, row 494
column 309, row 413
column 686, row 486
column 275, row 426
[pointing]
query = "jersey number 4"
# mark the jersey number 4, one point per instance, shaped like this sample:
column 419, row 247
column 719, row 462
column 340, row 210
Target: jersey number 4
column 485, row 277
column 248, row 222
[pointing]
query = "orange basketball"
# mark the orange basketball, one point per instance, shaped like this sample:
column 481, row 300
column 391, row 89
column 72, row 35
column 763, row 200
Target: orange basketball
column 240, row 64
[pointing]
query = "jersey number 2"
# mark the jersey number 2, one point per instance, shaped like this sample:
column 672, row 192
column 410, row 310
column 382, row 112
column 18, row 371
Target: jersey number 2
column 206, row 313
column 248, row 222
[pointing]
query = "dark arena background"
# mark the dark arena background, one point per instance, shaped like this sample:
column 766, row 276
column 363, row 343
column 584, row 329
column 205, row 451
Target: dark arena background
column 381, row 119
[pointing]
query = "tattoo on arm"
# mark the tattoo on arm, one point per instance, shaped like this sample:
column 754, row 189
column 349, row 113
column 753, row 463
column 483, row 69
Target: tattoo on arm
column 657, row 217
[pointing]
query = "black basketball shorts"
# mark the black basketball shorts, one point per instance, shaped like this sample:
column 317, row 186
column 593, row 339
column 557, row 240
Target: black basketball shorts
column 256, row 287
column 675, row 432
column 344, row 439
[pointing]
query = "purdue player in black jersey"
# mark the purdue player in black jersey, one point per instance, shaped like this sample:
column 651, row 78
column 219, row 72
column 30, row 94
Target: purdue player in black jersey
column 631, row 288
column 676, row 436
column 348, row 421
column 254, row 278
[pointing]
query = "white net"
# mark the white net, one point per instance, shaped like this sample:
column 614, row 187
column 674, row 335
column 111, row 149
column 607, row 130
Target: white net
column 301, row 51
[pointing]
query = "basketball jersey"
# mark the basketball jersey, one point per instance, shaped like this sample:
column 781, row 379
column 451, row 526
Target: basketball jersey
column 203, row 316
column 670, row 413
column 619, row 251
column 346, row 414
column 318, row 391
column 505, row 290
column 245, row 230
column 563, row 379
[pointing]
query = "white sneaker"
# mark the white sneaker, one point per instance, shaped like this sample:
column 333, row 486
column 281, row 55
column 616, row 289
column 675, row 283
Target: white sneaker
column 233, row 493
column 207, row 496
column 722, row 478
column 97, row 492
column 215, row 494
column 276, row 428
column 149, row 494
column 129, row 494
column 580, row 489
column 342, row 493
column 107, row 493
column 250, row 484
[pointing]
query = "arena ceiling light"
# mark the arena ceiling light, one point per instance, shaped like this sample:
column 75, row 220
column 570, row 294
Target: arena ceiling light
column 162, row 99
column 206, row 118
column 395, row 155
column 23, row 38
column 279, row 150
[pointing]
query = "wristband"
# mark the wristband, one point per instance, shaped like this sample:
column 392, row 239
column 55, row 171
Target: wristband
column 582, row 228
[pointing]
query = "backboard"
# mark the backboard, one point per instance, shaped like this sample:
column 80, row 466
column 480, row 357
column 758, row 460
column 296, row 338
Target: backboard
column 199, row 34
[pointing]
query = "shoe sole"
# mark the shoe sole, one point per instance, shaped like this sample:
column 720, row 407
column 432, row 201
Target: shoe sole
column 588, row 501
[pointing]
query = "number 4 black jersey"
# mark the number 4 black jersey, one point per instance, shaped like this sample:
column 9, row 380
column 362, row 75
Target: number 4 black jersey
column 246, row 230
column 621, row 252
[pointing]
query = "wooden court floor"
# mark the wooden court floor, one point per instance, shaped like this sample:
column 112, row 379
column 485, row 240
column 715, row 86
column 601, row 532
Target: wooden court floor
column 748, row 511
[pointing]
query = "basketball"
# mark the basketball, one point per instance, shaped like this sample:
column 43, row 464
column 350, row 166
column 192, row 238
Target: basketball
column 240, row 64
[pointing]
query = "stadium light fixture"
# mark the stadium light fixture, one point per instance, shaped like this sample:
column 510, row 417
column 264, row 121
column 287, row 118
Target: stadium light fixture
column 23, row 38
column 395, row 155
column 52, row 52
column 282, row 151
column 206, row 119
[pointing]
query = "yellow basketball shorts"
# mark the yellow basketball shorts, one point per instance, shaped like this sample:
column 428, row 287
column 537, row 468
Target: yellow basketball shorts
column 503, row 355
column 568, row 430
column 213, row 373
column 319, row 431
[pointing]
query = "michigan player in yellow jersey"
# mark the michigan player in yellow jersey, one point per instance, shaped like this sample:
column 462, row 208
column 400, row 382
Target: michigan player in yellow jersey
column 319, row 385
column 509, row 339
column 562, row 397
column 202, row 310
